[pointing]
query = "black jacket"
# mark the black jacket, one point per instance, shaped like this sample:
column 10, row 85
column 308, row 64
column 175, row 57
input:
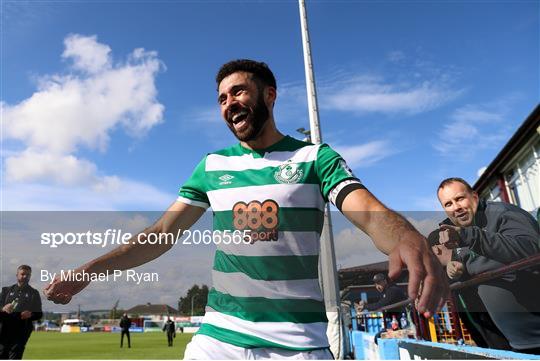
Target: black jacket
column 28, row 300
column 501, row 234
column 169, row 327
column 125, row 323
column 391, row 294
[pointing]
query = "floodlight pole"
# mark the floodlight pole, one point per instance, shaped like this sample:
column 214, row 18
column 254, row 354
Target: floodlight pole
column 327, row 270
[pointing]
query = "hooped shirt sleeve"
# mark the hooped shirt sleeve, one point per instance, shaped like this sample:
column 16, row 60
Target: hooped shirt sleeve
column 335, row 176
column 193, row 192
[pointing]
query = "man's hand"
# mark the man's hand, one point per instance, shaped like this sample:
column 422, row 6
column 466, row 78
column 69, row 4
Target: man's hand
column 455, row 270
column 449, row 235
column 395, row 236
column 443, row 254
column 26, row 315
column 62, row 291
column 359, row 306
column 8, row 308
column 427, row 282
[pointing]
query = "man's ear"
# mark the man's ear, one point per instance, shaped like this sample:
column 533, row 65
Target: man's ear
column 270, row 95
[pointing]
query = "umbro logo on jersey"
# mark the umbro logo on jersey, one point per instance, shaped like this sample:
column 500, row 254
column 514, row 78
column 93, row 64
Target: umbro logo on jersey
column 225, row 179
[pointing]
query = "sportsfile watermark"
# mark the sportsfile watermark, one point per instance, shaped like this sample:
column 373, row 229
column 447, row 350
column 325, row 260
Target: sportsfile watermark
column 117, row 237
column 130, row 276
column 252, row 245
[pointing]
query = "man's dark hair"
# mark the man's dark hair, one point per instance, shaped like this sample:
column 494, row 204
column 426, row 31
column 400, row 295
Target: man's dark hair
column 379, row 277
column 24, row 267
column 448, row 181
column 261, row 72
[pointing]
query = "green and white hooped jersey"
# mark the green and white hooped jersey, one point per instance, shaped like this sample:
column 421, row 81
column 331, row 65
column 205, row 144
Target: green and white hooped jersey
column 266, row 293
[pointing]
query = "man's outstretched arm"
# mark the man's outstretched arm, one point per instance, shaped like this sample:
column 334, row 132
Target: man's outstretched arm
column 395, row 236
column 179, row 216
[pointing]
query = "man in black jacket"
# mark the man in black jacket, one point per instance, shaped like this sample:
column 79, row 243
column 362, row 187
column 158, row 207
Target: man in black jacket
column 470, row 307
column 485, row 236
column 170, row 329
column 125, row 323
column 20, row 305
column 390, row 293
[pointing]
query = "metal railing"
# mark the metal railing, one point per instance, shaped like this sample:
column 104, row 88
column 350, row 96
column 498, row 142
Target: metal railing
column 430, row 328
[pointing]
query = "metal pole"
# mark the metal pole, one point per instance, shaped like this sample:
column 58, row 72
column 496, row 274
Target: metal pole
column 327, row 253
column 313, row 105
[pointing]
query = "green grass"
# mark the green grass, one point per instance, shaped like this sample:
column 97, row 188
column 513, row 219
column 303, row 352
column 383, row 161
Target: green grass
column 55, row 345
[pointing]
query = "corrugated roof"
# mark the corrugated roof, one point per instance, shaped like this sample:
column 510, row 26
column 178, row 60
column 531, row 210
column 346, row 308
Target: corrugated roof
column 150, row 309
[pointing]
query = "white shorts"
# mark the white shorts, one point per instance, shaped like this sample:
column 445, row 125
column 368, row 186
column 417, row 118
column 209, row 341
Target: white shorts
column 203, row 347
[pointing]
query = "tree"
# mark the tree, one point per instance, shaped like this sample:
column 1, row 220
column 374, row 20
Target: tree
column 199, row 295
column 116, row 313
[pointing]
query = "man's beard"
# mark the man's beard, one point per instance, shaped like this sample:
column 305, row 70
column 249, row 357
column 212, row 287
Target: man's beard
column 256, row 120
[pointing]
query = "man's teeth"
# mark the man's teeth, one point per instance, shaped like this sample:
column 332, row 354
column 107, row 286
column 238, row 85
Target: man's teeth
column 236, row 116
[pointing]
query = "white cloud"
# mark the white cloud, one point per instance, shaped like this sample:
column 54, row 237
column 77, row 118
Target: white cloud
column 70, row 111
column 426, row 225
column 111, row 193
column 62, row 169
column 364, row 155
column 473, row 127
column 87, row 54
column 426, row 203
column 79, row 109
column 395, row 56
column 206, row 115
column 481, row 171
column 372, row 95
column 355, row 248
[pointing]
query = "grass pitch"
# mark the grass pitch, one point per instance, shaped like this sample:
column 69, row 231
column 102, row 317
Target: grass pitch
column 91, row 346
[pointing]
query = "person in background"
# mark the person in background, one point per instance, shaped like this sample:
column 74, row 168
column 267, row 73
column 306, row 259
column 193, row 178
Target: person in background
column 470, row 308
column 170, row 330
column 125, row 324
column 390, row 293
column 485, row 236
column 21, row 305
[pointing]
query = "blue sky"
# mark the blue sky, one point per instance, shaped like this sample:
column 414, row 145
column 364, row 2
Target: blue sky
column 108, row 105
column 410, row 92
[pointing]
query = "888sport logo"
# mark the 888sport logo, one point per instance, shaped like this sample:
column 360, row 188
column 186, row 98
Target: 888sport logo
column 261, row 218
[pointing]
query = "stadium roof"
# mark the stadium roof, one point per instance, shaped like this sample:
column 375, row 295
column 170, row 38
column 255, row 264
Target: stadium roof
column 363, row 275
column 528, row 129
column 150, row 309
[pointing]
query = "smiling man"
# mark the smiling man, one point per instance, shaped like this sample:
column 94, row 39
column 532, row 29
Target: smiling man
column 270, row 188
column 500, row 231
column 484, row 236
